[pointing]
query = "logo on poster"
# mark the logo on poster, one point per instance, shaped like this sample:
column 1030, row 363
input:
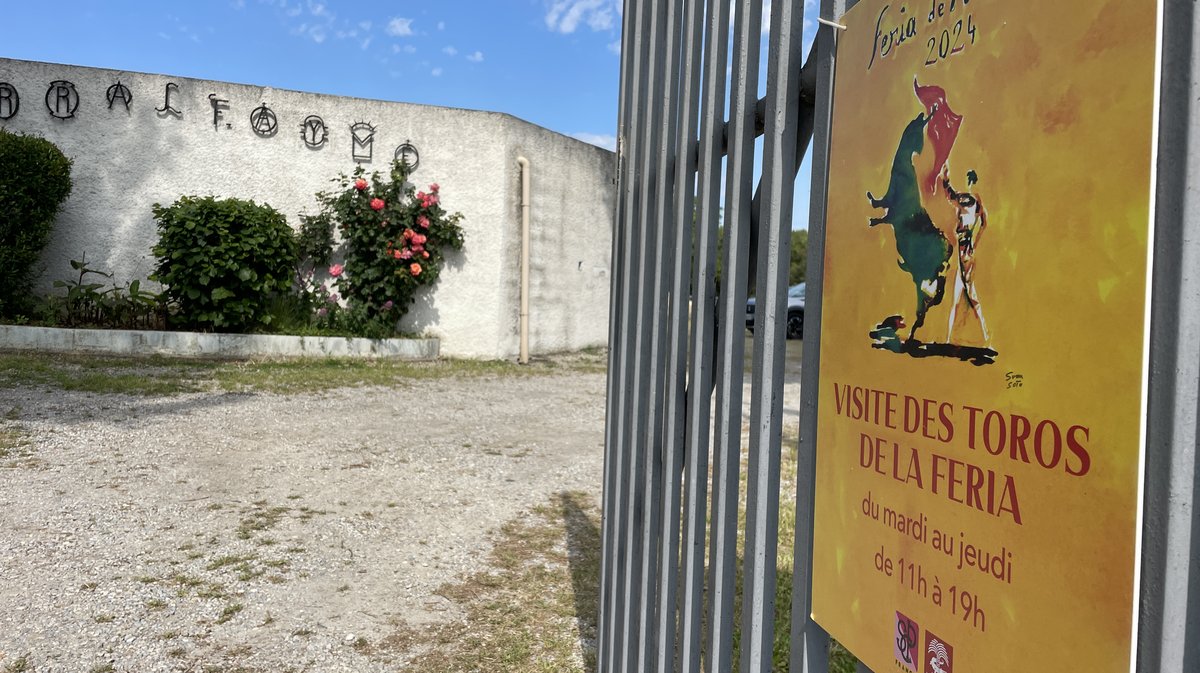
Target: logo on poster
column 939, row 656
column 907, row 638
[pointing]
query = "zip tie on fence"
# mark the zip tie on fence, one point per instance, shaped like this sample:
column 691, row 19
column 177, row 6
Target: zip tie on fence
column 831, row 24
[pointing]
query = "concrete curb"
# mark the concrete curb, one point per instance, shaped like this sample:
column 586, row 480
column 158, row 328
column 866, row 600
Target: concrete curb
column 193, row 344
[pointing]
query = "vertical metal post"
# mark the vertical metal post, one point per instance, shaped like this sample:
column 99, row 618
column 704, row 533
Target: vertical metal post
column 666, row 98
column 619, row 447
column 739, row 193
column 716, row 52
column 675, row 406
column 1169, row 619
column 810, row 643
column 641, row 327
column 766, row 406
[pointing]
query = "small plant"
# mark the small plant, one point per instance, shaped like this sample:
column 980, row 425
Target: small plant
column 229, row 613
column 35, row 179
column 18, row 665
column 126, row 307
column 394, row 242
column 222, row 261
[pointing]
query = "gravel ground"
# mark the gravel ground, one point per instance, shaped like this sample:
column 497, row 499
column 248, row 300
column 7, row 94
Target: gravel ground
column 259, row 532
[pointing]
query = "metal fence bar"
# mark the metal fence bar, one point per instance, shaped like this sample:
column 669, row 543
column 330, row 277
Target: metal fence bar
column 739, row 193
column 616, row 619
column 716, row 52
column 766, row 405
column 809, row 642
column 667, row 611
column 666, row 102
column 614, row 393
column 647, row 253
column 1169, row 620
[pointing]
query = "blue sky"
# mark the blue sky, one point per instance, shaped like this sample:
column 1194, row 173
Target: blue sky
column 555, row 63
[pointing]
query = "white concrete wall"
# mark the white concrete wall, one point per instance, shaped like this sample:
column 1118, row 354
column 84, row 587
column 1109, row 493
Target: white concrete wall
column 125, row 161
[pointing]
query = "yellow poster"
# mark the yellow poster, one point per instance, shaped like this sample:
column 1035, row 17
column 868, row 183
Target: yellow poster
column 983, row 334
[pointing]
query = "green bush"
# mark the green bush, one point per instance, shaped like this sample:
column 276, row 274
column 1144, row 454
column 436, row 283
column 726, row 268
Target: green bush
column 223, row 261
column 35, row 178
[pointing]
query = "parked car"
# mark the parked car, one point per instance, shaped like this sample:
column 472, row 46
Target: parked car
column 795, row 312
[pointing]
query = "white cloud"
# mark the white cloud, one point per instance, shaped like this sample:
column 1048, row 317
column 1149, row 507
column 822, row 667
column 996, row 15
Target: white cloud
column 608, row 142
column 564, row 16
column 366, row 43
column 449, row 51
column 436, row 72
column 410, row 49
column 399, row 27
column 365, row 25
column 441, row 25
column 615, row 47
column 319, row 10
column 476, row 57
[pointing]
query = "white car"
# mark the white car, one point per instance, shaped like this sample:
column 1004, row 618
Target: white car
column 795, row 312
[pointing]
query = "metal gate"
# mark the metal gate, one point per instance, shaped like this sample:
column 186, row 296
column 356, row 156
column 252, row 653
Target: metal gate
column 690, row 115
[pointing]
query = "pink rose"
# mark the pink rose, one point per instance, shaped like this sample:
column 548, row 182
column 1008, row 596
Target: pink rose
column 387, row 305
column 360, row 185
column 377, row 204
column 425, row 254
column 322, row 312
column 336, row 270
column 423, row 221
column 434, row 187
column 396, row 253
column 405, row 254
column 420, row 239
column 409, row 234
column 414, row 269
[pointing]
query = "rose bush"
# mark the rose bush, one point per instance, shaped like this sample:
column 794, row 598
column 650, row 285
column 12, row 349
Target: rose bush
column 385, row 227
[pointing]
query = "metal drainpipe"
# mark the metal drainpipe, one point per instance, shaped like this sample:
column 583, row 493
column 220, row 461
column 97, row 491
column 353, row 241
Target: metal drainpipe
column 524, row 163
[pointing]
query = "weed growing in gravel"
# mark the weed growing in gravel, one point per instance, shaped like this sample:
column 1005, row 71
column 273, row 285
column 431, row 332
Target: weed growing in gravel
column 103, row 619
column 11, row 439
column 233, row 559
column 155, row 604
column 229, row 612
column 19, row 665
column 104, row 668
column 259, row 518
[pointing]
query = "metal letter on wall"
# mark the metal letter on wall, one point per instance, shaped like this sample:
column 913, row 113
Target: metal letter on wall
column 362, row 145
column 61, row 99
column 263, row 121
column 10, row 101
column 119, row 92
column 408, row 155
column 218, row 105
column 314, row 132
column 167, row 108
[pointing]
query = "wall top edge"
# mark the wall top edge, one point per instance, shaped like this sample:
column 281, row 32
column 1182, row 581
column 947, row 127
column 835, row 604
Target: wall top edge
column 17, row 64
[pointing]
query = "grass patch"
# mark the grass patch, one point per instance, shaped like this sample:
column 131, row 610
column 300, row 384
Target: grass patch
column 19, row 665
column 534, row 610
column 165, row 376
column 142, row 376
